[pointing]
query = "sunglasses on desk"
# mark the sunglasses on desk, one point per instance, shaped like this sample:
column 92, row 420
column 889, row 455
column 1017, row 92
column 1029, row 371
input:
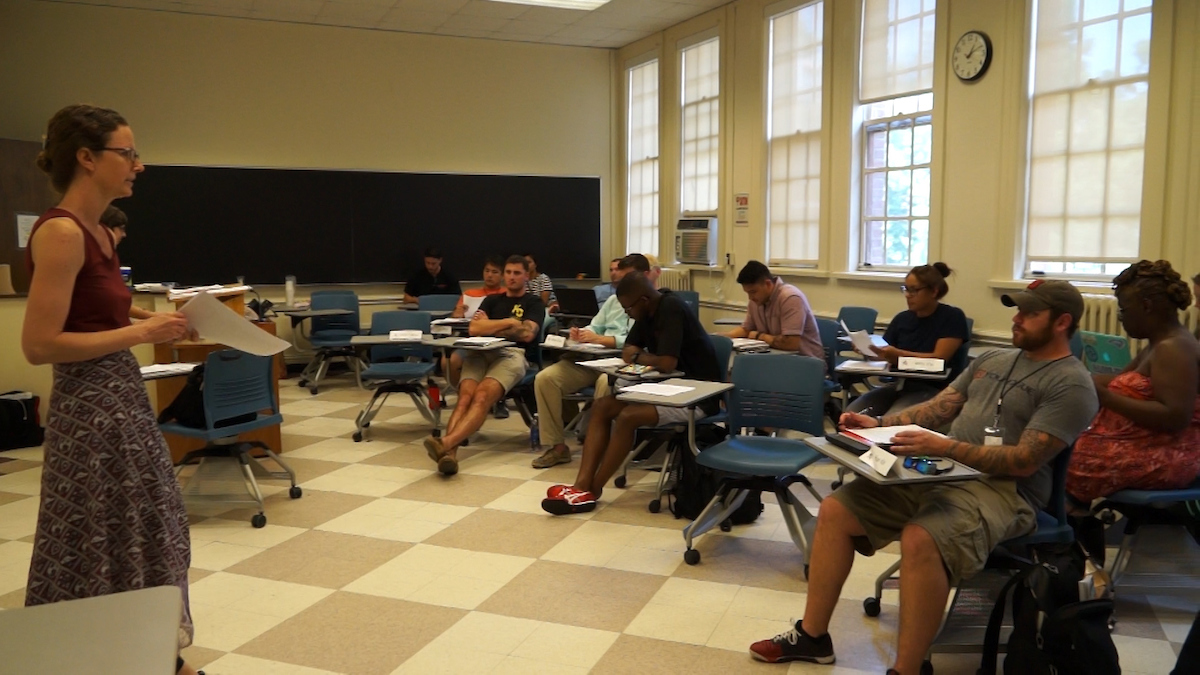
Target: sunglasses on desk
column 928, row 466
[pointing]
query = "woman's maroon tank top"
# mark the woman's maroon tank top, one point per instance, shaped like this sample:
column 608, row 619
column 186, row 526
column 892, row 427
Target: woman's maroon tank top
column 100, row 300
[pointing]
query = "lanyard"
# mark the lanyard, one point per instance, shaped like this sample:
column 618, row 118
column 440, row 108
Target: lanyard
column 1005, row 389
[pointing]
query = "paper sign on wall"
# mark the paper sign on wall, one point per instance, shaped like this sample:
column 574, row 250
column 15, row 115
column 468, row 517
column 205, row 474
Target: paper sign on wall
column 741, row 204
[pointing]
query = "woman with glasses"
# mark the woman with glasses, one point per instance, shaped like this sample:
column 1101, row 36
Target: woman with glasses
column 111, row 516
column 929, row 328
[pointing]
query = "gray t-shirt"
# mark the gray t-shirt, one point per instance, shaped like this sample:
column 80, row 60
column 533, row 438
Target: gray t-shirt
column 1056, row 397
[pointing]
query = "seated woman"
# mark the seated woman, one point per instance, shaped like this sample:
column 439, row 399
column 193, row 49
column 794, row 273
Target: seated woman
column 1147, row 433
column 928, row 328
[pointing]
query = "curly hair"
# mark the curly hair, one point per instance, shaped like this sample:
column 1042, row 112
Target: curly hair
column 1152, row 279
column 72, row 128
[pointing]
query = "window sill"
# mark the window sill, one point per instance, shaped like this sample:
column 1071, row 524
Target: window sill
column 810, row 272
column 889, row 278
column 1018, row 284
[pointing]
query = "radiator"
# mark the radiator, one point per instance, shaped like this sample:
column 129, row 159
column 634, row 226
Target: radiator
column 675, row 279
column 1100, row 316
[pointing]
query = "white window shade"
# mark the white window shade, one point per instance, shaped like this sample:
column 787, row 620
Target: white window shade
column 642, row 182
column 700, row 123
column 897, row 48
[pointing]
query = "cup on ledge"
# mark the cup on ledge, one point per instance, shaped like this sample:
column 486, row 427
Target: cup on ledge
column 127, row 275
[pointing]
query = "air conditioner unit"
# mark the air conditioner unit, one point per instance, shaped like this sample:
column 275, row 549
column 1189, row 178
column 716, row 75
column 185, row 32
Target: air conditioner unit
column 696, row 241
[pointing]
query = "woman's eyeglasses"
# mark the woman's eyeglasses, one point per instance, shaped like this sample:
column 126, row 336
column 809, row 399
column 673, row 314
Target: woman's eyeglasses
column 928, row 466
column 128, row 153
column 911, row 290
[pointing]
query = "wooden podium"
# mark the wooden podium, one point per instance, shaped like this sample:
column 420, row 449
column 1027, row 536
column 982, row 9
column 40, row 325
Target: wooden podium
column 197, row 352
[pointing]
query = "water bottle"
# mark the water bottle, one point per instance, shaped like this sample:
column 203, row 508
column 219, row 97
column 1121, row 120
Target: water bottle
column 535, row 436
column 435, row 395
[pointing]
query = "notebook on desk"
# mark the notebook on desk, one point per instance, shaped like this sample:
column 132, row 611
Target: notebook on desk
column 578, row 301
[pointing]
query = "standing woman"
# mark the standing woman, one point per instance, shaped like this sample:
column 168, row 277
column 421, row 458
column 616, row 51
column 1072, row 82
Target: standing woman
column 111, row 517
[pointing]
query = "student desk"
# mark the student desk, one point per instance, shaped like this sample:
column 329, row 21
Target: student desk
column 847, row 376
column 728, row 321
column 576, row 348
column 898, row 474
column 131, row 632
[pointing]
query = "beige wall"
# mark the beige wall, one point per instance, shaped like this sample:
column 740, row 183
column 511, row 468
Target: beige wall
column 217, row 91
column 977, row 166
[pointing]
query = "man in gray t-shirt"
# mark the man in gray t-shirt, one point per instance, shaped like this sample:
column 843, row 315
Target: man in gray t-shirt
column 1011, row 413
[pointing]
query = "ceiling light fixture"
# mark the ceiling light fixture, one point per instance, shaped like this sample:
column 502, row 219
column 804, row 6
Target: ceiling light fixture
column 586, row 5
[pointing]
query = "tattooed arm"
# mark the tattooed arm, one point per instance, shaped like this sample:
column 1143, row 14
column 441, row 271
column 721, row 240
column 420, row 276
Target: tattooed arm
column 936, row 412
column 1031, row 452
column 522, row 331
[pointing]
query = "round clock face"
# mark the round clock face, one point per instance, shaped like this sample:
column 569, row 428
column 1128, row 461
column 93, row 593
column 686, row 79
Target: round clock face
column 972, row 56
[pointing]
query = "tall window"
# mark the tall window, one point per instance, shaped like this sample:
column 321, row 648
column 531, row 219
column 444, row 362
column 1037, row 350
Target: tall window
column 641, row 170
column 896, row 95
column 794, row 135
column 701, row 128
column 1091, row 66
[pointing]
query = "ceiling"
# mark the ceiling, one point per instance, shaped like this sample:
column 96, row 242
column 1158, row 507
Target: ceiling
column 613, row 25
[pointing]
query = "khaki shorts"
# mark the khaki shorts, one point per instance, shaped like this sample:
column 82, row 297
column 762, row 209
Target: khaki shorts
column 506, row 366
column 967, row 519
column 667, row 415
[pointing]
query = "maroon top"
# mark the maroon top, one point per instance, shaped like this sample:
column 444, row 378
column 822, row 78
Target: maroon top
column 100, row 300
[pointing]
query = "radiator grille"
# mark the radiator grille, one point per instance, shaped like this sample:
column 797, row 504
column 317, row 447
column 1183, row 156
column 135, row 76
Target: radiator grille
column 676, row 279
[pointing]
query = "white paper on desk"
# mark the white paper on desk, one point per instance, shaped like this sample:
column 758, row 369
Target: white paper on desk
column 482, row 341
column 742, row 344
column 165, row 369
column 404, row 336
column 438, row 329
column 862, row 366
column 879, row 459
column 555, row 341
column 450, row 322
column 614, row 362
column 883, row 435
column 472, row 305
column 213, row 321
column 586, row 345
column 657, row 389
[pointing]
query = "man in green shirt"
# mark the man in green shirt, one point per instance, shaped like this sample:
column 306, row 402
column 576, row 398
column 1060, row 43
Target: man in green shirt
column 608, row 328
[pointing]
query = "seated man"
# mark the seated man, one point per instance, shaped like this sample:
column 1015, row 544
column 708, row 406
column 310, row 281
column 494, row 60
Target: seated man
column 488, row 375
column 778, row 314
column 493, row 278
column 666, row 336
column 608, row 328
column 431, row 279
column 606, row 291
column 1012, row 412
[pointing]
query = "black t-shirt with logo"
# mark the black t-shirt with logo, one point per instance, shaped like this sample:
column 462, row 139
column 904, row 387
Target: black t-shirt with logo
column 527, row 307
column 673, row 330
column 423, row 283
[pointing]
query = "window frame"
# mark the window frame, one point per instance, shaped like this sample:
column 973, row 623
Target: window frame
column 657, row 228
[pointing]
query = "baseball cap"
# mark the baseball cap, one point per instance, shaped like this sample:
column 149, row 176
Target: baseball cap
column 1043, row 294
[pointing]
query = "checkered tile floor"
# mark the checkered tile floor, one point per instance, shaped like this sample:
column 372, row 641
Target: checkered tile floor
column 386, row 567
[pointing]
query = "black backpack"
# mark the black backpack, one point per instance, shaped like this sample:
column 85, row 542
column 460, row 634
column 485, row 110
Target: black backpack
column 694, row 485
column 1054, row 632
column 20, row 426
column 188, row 407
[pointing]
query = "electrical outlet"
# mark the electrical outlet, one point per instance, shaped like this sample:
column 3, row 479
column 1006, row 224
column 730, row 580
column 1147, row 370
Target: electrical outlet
column 729, row 260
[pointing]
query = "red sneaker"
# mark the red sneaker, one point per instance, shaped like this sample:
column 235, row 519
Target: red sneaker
column 570, row 501
column 556, row 491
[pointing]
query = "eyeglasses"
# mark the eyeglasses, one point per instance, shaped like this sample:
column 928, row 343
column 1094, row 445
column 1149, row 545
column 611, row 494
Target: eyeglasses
column 129, row 154
column 911, row 290
column 928, row 466
column 632, row 305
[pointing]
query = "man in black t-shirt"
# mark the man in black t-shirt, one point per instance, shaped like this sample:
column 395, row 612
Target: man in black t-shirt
column 432, row 279
column 488, row 375
column 667, row 336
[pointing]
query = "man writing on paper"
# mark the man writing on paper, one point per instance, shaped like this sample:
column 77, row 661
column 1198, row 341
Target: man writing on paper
column 607, row 329
column 1011, row 412
column 666, row 336
column 488, row 375
column 493, row 278
column 778, row 314
column 431, row 279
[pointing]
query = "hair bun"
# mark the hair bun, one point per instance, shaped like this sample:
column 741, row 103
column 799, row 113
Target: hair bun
column 44, row 162
column 942, row 269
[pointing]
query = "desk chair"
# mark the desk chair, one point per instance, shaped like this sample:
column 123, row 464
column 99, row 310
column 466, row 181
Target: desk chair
column 236, row 385
column 437, row 302
column 1144, row 507
column 691, row 298
column 778, row 391
column 398, row 369
column 859, row 318
column 330, row 337
column 829, row 331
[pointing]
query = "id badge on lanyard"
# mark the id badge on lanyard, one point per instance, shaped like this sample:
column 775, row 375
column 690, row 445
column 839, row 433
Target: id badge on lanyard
column 993, row 434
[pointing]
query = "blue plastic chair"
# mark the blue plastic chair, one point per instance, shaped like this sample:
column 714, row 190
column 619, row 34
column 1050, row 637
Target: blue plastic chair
column 691, row 299
column 859, row 318
column 829, row 331
column 398, row 369
column 438, row 302
column 330, row 337
column 237, row 385
column 777, row 391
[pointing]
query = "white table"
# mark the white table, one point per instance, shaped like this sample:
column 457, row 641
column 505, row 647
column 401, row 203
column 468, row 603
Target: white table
column 118, row 634
column 897, row 476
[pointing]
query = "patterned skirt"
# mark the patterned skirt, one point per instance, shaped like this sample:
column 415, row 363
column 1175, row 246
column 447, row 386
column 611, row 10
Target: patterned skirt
column 111, row 517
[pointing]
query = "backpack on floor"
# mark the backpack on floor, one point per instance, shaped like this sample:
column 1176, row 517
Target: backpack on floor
column 1054, row 630
column 188, row 407
column 694, row 486
column 20, row 423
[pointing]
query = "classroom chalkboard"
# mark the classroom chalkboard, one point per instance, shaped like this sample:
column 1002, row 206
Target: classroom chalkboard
column 202, row 225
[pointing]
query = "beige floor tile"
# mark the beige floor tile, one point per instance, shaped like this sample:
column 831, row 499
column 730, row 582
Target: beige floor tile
column 199, row 657
column 324, row 559
column 692, row 595
column 238, row 664
column 747, row 562
column 504, row 532
column 1174, row 614
column 515, row 665
column 311, row 408
column 14, row 565
column 10, row 497
column 227, row 628
column 342, row 450
column 242, row 533
column 1151, row 656
column 445, row 659
column 601, row 598
column 629, row 507
column 27, row 482
column 13, row 600
column 441, row 576
column 17, row 465
column 737, row 633
column 528, row 499
column 568, row 645
column 296, row 441
column 406, row 456
column 312, row 509
column 319, row 426
column 18, row 518
column 625, row 547
column 633, row 655
column 27, row 454
column 363, row 479
column 462, row 489
column 398, row 519
column 355, row 634
column 491, row 633
column 196, row 574
column 215, row 555
column 763, row 603
column 663, row 622
column 268, row 597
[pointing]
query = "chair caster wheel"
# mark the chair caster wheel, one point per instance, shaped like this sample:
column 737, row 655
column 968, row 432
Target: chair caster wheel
column 303, row 382
column 295, row 492
column 619, row 481
column 367, row 425
column 926, row 667
column 357, row 437
column 312, row 390
column 259, row 520
column 871, row 607
column 691, row 556
column 726, row 525
column 655, row 506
